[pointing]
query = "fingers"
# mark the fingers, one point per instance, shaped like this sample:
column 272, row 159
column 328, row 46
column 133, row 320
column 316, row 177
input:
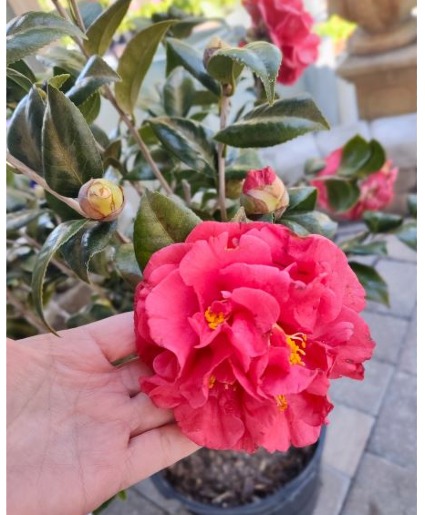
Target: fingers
column 145, row 416
column 130, row 373
column 114, row 336
column 154, row 450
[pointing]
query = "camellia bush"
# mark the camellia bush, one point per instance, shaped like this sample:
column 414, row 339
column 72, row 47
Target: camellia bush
column 245, row 308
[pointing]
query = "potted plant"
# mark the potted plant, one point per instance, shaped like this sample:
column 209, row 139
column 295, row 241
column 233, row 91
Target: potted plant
column 178, row 176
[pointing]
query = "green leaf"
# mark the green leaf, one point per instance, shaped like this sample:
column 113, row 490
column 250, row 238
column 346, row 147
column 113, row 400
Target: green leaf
column 314, row 165
column 342, row 194
column 412, row 205
column 60, row 208
column 78, row 250
column 301, row 199
column 180, row 53
column 19, row 78
column 260, row 57
column 376, row 160
column 135, row 62
column 407, row 234
column 313, row 222
column 70, row 156
column 375, row 286
column 28, row 33
column 90, row 109
column 355, row 154
column 189, row 141
column 376, row 248
column 53, row 243
column 126, row 264
column 377, row 221
column 24, row 135
column 267, row 125
column 178, row 93
column 101, row 31
column 89, row 12
column 19, row 219
column 96, row 73
column 159, row 222
column 57, row 81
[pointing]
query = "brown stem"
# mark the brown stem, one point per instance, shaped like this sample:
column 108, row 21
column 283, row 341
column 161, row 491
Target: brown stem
column 124, row 117
column 25, row 312
column 76, row 11
column 224, row 111
column 31, row 174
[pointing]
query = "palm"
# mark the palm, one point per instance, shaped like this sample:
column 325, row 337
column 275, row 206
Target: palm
column 78, row 430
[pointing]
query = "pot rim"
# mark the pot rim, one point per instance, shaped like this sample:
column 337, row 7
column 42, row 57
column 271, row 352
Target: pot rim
column 286, row 490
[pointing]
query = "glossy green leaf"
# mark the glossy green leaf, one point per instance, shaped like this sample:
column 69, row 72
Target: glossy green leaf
column 19, row 78
column 90, row 109
column 407, row 233
column 375, row 248
column 261, row 57
column 102, row 30
column 24, row 135
column 78, row 250
column 189, row 141
column 412, row 204
column 178, row 93
column 301, row 199
column 70, row 155
column 375, row 286
column 159, row 222
column 135, row 62
column 376, row 159
column 28, row 33
column 377, row 221
column 126, row 264
column 53, row 243
column 61, row 209
column 180, row 53
column 355, row 154
column 57, row 81
column 19, row 219
column 90, row 11
column 313, row 222
column 342, row 194
column 267, row 125
column 96, row 73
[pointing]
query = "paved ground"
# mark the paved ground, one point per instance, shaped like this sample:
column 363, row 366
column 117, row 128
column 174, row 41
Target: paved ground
column 369, row 462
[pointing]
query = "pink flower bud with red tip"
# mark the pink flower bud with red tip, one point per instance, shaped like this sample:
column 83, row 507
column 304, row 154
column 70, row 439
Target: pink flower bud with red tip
column 263, row 192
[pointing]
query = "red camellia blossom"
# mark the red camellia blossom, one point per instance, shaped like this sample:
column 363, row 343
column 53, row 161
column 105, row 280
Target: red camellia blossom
column 244, row 326
column 376, row 190
column 286, row 24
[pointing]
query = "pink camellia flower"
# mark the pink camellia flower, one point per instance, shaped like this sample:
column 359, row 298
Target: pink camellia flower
column 376, row 190
column 288, row 26
column 244, row 326
column 263, row 192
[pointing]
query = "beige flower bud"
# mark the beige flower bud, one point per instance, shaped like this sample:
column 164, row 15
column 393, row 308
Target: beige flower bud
column 212, row 47
column 263, row 193
column 234, row 188
column 101, row 199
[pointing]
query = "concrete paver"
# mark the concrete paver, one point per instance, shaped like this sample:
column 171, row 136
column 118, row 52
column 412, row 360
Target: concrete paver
column 394, row 435
column 382, row 488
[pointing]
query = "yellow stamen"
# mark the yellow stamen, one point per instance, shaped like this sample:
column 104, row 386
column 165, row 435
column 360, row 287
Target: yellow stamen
column 211, row 382
column 281, row 402
column 296, row 343
column 214, row 319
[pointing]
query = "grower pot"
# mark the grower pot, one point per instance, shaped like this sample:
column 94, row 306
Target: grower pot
column 296, row 497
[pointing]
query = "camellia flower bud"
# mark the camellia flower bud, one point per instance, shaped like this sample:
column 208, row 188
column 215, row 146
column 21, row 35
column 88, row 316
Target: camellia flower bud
column 101, row 199
column 263, row 193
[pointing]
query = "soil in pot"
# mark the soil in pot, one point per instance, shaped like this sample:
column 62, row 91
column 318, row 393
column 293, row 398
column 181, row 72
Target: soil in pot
column 228, row 479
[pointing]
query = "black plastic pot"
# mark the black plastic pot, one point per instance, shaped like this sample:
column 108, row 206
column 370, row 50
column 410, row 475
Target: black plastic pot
column 297, row 497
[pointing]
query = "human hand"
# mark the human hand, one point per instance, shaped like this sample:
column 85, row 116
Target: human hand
column 78, row 428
